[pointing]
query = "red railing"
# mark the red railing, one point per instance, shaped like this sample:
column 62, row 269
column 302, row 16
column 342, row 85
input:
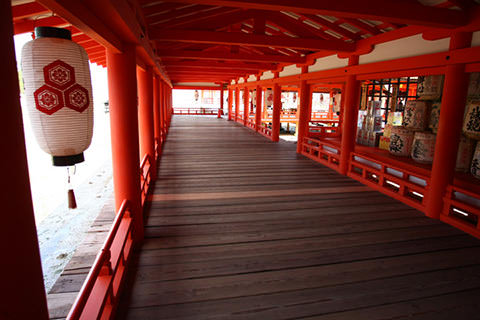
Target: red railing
column 321, row 151
column 195, row 111
column 145, row 177
column 99, row 294
column 288, row 115
column 251, row 123
column 394, row 181
column 318, row 131
column 461, row 209
column 267, row 132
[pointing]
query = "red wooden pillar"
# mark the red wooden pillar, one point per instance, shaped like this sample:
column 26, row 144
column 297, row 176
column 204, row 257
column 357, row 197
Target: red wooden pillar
column 349, row 125
column 164, row 108
column 23, row 292
column 230, row 103
column 156, row 114
column 449, row 128
column 305, row 113
column 277, row 108
column 160, row 109
column 122, row 92
column 145, row 115
column 258, row 109
column 221, row 102
column 237, row 102
column 246, row 109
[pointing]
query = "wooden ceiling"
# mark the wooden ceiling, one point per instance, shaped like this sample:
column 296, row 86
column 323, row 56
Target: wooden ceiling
column 217, row 40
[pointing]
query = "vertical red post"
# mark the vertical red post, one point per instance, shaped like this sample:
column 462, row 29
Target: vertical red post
column 164, row 108
column 156, row 115
column 145, row 114
column 23, row 292
column 258, row 109
column 122, row 92
column 277, row 108
column 349, row 125
column 230, row 103
column 449, row 128
column 237, row 102
column 246, row 109
column 304, row 116
column 221, row 101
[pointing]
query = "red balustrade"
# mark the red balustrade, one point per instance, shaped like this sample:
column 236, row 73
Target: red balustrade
column 321, row 151
column 99, row 295
column 461, row 209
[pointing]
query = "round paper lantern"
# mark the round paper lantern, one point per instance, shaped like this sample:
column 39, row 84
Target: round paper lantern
column 401, row 141
column 58, row 92
column 268, row 97
column 423, row 147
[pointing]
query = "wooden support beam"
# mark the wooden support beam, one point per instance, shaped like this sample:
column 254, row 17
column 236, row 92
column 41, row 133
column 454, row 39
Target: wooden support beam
column 383, row 10
column 27, row 10
column 218, row 65
column 81, row 17
column 255, row 40
column 228, row 56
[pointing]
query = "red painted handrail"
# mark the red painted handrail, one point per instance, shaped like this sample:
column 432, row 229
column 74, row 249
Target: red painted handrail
column 145, row 177
column 99, row 294
column 321, row 151
column 462, row 213
column 195, row 111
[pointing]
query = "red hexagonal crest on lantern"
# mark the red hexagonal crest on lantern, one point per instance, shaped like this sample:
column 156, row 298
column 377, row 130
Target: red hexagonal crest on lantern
column 76, row 98
column 48, row 100
column 59, row 74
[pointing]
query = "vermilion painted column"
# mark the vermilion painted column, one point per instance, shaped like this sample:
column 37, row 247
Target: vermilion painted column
column 349, row 125
column 277, row 108
column 156, row 113
column 259, row 107
column 122, row 92
column 160, row 108
column 237, row 103
column 449, row 128
column 145, row 115
column 221, row 102
column 23, row 292
column 304, row 116
column 230, row 103
column 164, row 108
column 246, row 109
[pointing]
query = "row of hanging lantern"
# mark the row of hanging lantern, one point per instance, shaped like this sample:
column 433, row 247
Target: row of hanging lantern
column 59, row 99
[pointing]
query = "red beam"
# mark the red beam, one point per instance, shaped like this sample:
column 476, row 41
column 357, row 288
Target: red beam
column 255, row 40
column 28, row 10
column 382, row 10
column 24, row 26
column 228, row 56
column 218, row 65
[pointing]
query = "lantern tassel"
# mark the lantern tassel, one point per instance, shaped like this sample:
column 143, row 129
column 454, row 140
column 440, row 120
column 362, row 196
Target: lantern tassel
column 72, row 203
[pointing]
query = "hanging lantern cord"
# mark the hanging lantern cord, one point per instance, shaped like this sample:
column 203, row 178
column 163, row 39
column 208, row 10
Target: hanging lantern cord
column 72, row 203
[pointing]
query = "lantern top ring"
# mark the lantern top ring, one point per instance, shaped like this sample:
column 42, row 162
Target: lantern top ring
column 51, row 32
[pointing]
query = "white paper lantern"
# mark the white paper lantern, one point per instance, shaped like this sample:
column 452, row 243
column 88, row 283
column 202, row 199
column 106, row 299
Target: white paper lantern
column 58, row 91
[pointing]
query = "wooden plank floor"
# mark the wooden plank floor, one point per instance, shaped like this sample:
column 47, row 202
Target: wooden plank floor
column 242, row 228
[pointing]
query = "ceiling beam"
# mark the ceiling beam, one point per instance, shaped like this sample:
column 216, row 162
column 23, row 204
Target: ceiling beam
column 218, row 65
column 81, row 17
column 411, row 13
column 254, row 40
column 228, row 56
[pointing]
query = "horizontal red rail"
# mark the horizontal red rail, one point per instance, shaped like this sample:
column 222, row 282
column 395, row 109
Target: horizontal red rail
column 251, row 123
column 321, row 151
column 324, row 132
column 267, row 132
column 394, row 181
column 195, row 111
column 461, row 209
column 145, row 177
column 99, row 294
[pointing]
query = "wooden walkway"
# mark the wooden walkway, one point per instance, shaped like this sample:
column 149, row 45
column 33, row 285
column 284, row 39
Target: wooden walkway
column 242, row 228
